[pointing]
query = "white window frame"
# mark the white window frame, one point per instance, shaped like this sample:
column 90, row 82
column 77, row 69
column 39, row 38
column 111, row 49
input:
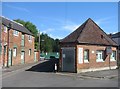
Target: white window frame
column 86, row 61
column 29, row 38
column 80, row 55
column 16, row 33
column 111, row 56
column 14, row 52
column 5, row 29
column 29, row 52
column 101, row 54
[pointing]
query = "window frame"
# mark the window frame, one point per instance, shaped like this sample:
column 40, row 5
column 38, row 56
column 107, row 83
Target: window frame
column 29, row 38
column 15, row 52
column 111, row 59
column 5, row 29
column 23, row 40
column 29, row 52
column 101, row 54
column 86, row 60
column 15, row 32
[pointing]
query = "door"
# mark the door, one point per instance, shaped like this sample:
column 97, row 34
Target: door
column 22, row 57
column 10, row 58
column 35, row 56
column 68, row 59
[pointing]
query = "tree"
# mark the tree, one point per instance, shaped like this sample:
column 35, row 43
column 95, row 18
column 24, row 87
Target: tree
column 56, row 45
column 47, row 44
column 30, row 26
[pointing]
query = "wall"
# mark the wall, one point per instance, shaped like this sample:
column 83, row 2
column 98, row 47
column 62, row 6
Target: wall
column 92, row 58
column 92, row 64
column 15, row 41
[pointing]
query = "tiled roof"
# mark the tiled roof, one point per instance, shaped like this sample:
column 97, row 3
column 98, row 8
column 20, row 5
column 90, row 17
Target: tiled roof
column 15, row 26
column 116, row 35
column 89, row 33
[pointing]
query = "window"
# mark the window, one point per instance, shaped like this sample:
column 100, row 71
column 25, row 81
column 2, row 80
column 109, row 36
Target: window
column 29, row 52
column 99, row 55
column 113, row 56
column 15, row 33
column 30, row 38
column 5, row 47
column 86, row 55
column 23, row 41
column 5, row 29
column 15, row 52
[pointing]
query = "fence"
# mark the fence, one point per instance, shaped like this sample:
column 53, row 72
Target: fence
column 48, row 55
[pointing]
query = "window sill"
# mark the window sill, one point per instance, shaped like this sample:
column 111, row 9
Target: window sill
column 86, row 61
column 15, row 35
column 30, row 40
column 112, row 60
column 99, row 61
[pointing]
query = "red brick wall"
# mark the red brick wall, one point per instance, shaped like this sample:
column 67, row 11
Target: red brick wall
column 4, row 41
column 29, row 45
column 92, row 58
column 15, row 41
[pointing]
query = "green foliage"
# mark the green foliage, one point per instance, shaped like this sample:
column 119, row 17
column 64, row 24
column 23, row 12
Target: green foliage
column 30, row 26
column 48, row 44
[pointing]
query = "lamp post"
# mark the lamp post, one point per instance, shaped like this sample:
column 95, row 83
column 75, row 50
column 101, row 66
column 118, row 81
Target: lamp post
column 9, row 27
column 39, row 41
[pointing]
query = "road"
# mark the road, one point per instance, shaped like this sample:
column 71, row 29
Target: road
column 42, row 75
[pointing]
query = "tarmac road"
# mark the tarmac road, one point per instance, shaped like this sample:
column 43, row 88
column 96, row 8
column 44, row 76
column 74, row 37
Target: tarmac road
column 42, row 75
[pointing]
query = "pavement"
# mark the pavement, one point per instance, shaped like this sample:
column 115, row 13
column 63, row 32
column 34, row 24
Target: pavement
column 104, row 74
column 20, row 67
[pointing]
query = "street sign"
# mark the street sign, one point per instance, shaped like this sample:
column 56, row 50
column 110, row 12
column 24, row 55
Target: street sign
column 108, row 50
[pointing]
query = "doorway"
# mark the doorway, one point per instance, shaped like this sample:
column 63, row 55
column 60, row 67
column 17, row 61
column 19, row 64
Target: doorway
column 68, row 59
column 22, row 57
column 10, row 58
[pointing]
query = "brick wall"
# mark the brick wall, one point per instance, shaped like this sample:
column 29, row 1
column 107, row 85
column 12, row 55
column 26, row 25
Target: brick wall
column 92, row 58
column 15, row 41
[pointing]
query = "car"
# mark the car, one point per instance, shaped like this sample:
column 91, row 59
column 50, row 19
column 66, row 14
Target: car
column 42, row 57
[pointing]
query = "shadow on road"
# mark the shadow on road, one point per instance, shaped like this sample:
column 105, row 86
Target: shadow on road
column 47, row 66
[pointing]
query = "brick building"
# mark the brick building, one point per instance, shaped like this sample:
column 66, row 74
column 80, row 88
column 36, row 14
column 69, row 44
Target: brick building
column 116, row 38
column 88, row 48
column 17, row 44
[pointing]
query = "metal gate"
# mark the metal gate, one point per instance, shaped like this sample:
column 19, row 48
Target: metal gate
column 68, row 59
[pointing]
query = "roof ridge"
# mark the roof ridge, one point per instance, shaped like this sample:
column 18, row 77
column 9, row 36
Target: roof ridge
column 103, row 32
column 16, row 26
column 84, row 24
column 12, row 20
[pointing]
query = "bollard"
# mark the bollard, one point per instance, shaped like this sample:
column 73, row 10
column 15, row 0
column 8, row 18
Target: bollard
column 55, row 67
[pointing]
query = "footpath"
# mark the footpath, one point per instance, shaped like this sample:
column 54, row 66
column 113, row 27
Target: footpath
column 104, row 74
column 20, row 67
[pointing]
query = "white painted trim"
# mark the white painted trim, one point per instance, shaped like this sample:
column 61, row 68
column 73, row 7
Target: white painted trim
column 95, row 69
column 100, row 60
column 86, row 61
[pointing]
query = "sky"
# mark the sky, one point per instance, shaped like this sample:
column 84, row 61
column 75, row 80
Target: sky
column 59, row 19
